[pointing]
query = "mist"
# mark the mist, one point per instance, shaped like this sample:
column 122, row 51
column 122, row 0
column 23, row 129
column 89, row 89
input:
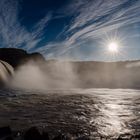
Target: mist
column 42, row 76
column 67, row 75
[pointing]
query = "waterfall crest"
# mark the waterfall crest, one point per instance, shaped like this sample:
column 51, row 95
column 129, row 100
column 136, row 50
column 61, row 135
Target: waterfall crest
column 6, row 71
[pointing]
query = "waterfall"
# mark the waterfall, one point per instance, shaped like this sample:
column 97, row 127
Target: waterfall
column 6, row 71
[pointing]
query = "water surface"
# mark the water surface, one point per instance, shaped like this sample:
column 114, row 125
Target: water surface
column 78, row 112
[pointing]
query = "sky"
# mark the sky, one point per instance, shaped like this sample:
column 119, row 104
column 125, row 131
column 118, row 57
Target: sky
column 72, row 29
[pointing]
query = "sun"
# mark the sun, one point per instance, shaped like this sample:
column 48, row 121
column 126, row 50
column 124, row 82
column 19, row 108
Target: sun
column 113, row 47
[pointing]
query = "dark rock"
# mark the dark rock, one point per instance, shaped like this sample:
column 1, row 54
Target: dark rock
column 5, row 131
column 119, row 138
column 137, row 136
column 83, row 138
column 61, row 137
column 36, row 57
column 16, row 57
column 8, row 138
column 45, row 136
column 32, row 134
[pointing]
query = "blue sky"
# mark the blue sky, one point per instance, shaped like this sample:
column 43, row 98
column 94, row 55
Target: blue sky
column 72, row 29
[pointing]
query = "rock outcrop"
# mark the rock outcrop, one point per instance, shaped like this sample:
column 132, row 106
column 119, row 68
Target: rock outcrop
column 16, row 57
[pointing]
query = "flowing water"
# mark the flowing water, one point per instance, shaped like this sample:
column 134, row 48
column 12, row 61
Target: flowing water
column 94, row 113
column 6, row 70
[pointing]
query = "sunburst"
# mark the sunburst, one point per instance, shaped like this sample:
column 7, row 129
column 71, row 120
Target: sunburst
column 112, row 45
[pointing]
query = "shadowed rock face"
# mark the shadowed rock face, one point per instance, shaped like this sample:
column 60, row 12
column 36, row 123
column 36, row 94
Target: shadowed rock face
column 16, row 57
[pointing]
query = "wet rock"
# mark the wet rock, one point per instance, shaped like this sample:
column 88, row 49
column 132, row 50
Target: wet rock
column 83, row 138
column 45, row 136
column 119, row 138
column 32, row 134
column 137, row 136
column 5, row 131
column 8, row 138
column 61, row 137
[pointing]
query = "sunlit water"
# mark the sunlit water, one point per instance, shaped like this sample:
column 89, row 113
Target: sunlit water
column 94, row 113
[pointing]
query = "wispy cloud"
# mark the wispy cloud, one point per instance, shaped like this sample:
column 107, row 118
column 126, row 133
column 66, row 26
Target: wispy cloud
column 12, row 33
column 92, row 19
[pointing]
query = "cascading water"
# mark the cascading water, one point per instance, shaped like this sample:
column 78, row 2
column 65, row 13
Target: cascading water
column 6, row 70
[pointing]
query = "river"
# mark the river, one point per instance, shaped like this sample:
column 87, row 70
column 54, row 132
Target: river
column 92, row 113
